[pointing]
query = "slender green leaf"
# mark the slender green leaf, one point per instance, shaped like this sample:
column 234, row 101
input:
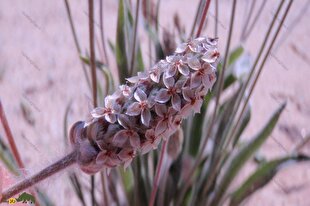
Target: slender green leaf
column 7, row 158
column 66, row 122
column 244, row 122
column 235, row 55
column 261, row 177
column 44, row 199
column 120, row 47
column 244, row 154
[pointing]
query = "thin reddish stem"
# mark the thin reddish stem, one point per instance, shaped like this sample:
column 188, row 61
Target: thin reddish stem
column 203, row 18
column 10, row 138
column 158, row 171
column 12, row 144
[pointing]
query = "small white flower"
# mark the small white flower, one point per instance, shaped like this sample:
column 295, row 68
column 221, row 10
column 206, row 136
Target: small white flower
column 141, row 107
column 109, row 111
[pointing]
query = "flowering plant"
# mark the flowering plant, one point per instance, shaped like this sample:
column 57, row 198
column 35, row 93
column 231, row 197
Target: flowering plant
column 198, row 156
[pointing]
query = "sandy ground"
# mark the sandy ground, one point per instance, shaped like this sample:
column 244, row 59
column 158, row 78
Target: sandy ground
column 40, row 68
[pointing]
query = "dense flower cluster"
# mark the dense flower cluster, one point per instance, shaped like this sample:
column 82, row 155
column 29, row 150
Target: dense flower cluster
column 149, row 108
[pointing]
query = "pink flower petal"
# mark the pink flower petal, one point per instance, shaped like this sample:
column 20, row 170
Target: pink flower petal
column 162, row 96
column 140, row 95
column 195, row 81
column 197, row 105
column 108, row 101
column 160, row 109
column 180, row 84
column 181, row 48
column 176, row 102
column 210, row 56
column 101, row 157
column 150, row 134
column 186, row 110
column 187, row 94
column 134, row 109
column 120, row 137
column 97, row 112
column 169, row 82
column 172, row 58
column 171, row 71
column 146, row 117
column 155, row 75
column 110, row 118
column 116, row 108
column 206, row 81
column 194, row 63
column 146, row 148
column 133, row 79
column 177, row 121
column 134, row 140
column 124, row 121
column 183, row 69
column 161, row 127
column 126, row 90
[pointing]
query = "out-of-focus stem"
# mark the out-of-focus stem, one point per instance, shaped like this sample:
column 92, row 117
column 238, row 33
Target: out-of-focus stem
column 220, row 87
column 76, row 42
column 133, row 52
column 260, row 69
column 203, row 18
column 10, row 138
column 102, row 34
column 158, row 171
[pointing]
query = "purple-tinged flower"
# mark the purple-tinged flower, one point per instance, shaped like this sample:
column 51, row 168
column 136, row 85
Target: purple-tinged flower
column 165, row 116
column 171, row 91
column 109, row 111
column 108, row 158
column 210, row 43
column 192, row 60
column 126, row 156
column 176, row 64
column 194, row 102
column 157, row 70
column 126, row 90
column 140, row 77
column 194, row 45
column 152, row 141
column 210, row 56
column 127, row 134
column 202, row 76
column 141, row 107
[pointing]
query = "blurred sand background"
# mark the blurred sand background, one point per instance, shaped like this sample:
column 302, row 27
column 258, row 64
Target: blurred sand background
column 40, row 68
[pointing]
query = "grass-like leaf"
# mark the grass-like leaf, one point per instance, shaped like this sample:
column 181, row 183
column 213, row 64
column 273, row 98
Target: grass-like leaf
column 120, row 46
column 244, row 154
column 262, row 176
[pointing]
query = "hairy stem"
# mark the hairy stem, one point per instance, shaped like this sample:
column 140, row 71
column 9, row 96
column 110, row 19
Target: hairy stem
column 43, row 174
column 158, row 171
